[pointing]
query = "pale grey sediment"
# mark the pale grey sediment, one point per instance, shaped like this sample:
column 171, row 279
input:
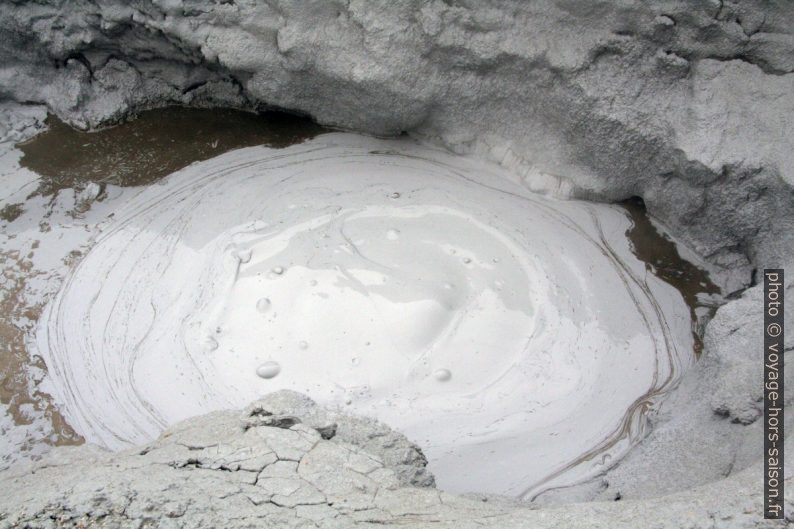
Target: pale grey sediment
column 687, row 104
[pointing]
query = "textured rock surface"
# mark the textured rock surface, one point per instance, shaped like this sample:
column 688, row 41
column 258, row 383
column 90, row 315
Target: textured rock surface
column 685, row 103
column 688, row 104
column 277, row 465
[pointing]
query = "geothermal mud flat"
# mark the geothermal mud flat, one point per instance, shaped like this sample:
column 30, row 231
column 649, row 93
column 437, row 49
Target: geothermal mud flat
column 515, row 338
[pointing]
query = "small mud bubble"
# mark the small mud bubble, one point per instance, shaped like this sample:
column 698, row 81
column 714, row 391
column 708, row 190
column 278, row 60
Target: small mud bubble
column 243, row 254
column 442, row 375
column 263, row 305
column 210, row 343
column 269, row 369
column 392, row 235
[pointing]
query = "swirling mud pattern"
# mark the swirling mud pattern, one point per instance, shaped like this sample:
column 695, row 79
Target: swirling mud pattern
column 515, row 338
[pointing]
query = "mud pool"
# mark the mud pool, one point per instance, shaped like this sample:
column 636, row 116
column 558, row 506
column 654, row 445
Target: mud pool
column 520, row 341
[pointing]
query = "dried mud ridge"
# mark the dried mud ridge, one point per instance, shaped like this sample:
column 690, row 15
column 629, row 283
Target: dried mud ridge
column 283, row 462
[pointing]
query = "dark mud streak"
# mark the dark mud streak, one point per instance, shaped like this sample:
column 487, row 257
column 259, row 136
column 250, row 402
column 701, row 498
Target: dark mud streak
column 661, row 258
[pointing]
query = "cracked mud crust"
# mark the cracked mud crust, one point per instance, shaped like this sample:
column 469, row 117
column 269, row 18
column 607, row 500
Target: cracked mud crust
column 255, row 469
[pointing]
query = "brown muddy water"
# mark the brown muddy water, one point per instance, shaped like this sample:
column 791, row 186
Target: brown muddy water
column 662, row 258
column 159, row 142
column 153, row 145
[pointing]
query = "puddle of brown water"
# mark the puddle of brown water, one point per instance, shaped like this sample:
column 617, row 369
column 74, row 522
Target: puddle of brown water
column 155, row 144
column 662, row 258
column 138, row 152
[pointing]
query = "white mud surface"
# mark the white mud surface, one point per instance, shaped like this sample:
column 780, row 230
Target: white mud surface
column 516, row 339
